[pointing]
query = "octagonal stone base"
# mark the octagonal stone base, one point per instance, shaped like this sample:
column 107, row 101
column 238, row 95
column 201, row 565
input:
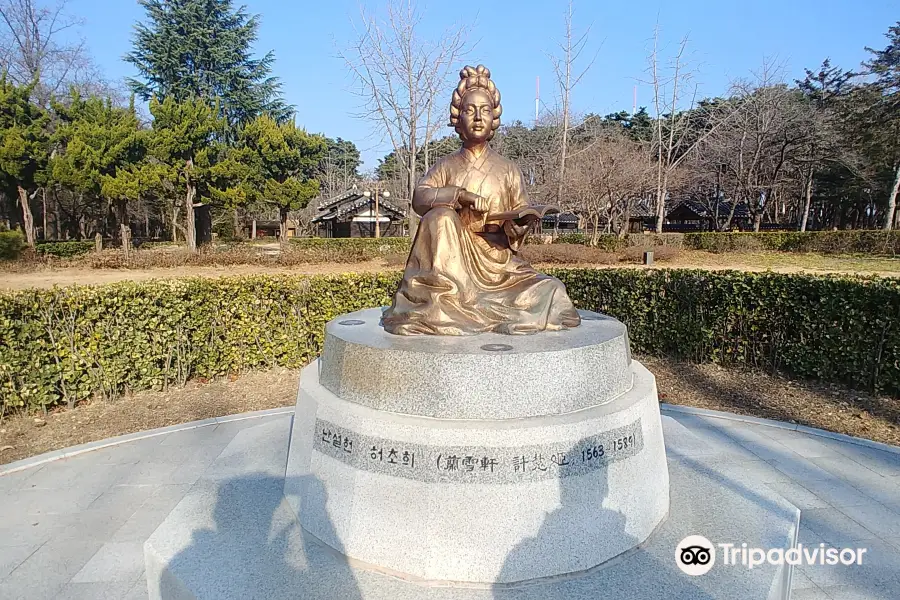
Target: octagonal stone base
column 235, row 536
column 384, row 470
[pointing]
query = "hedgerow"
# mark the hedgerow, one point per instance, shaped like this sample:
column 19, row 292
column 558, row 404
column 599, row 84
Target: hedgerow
column 11, row 244
column 62, row 345
column 66, row 249
column 825, row 242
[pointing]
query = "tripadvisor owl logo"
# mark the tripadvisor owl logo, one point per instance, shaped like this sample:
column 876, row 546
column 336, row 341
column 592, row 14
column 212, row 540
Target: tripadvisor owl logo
column 695, row 555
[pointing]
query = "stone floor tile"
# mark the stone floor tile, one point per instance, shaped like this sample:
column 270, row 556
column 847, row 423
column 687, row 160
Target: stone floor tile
column 51, row 566
column 770, row 449
column 883, row 463
column 880, row 567
column 798, row 495
column 30, row 530
column 834, row 527
column 195, row 437
column 23, row 503
column 692, row 421
column 837, row 492
column 13, row 556
column 150, row 472
column 850, row 470
column 124, row 497
column 93, row 524
column 813, row 593
column 877, row 518
column 799, row 581
column 801, row 470
column 748, row 434
column 13, row 481
column 138, row 591
column 38, row 589
column 140, row 526
column 115, row 561
column 104, row 590
column 719, row 441
column 747, row 469
column 807, row 536
column 809, row 446
column 128, row 452
column 84, row 470
column 860, row 591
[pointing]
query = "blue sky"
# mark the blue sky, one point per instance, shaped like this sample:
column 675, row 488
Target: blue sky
column 513, row 38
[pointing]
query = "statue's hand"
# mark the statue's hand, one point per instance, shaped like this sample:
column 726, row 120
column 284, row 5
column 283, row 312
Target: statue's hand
column 476, row 202
column 527, row 220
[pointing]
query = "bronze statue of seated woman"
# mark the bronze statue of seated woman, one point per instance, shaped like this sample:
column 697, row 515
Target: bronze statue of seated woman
column 464, row 275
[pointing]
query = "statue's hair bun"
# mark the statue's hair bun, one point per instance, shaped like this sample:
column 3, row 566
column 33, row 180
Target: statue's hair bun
column 472, row 78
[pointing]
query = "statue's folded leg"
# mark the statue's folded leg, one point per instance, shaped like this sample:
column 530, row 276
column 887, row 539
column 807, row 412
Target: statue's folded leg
column 437, row 294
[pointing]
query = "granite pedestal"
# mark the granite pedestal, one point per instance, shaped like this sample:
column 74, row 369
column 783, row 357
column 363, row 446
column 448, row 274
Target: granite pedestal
column 406, row 485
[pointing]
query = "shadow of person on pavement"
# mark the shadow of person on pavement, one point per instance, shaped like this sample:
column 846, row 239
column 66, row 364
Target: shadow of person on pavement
column 254, row 549
column 638, row 573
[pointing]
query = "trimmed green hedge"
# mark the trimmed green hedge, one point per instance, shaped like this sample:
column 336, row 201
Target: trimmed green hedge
column 65, row 249
column 11, row 244
column 65, row 344
column 855, row 241
column 825, row 242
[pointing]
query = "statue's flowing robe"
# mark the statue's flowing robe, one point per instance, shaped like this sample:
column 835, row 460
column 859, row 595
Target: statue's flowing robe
column 463, row 275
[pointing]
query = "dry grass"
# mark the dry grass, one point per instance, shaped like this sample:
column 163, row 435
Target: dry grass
column 47, row 274
column 703, row 386
column 757, row 394
column 20, row 437
column 635, row 254
column 567, row 254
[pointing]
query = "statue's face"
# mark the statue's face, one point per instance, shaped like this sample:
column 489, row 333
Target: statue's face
column 475, row 116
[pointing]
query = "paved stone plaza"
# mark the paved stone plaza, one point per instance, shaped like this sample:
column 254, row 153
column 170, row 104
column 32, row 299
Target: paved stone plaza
column 75, row 527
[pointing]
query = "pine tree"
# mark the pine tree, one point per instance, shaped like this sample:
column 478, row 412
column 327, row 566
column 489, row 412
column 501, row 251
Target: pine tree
column 24, row 148
column 182, row 145
column 272, row 164
column 95, row 140
column 202, row 49
column 884, row 117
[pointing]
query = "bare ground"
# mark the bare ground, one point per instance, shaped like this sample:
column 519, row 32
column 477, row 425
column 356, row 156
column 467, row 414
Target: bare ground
column 704, row 386
column 780, row 262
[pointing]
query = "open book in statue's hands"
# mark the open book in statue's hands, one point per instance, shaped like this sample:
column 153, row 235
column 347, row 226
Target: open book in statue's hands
column 525, row 215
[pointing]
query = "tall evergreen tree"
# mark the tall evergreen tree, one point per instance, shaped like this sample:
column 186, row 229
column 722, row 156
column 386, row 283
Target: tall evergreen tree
column 202, row 49
column 182, row 143
column 884, row 116
column 24, row 148
column 93, row 141
column 272, row 164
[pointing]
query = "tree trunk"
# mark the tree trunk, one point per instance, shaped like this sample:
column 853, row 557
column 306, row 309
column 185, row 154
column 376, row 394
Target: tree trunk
column 253, row 230
column 27, row 217
column 57, row 228
column 238, row 230
column 807, row 202
column 626, row 221
column 190, row 228
column 282, row 225
column 662, row 190
column 757, row 219
column 124, row 228
column 892, row 202
column 175, row 223
column 45, row 230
